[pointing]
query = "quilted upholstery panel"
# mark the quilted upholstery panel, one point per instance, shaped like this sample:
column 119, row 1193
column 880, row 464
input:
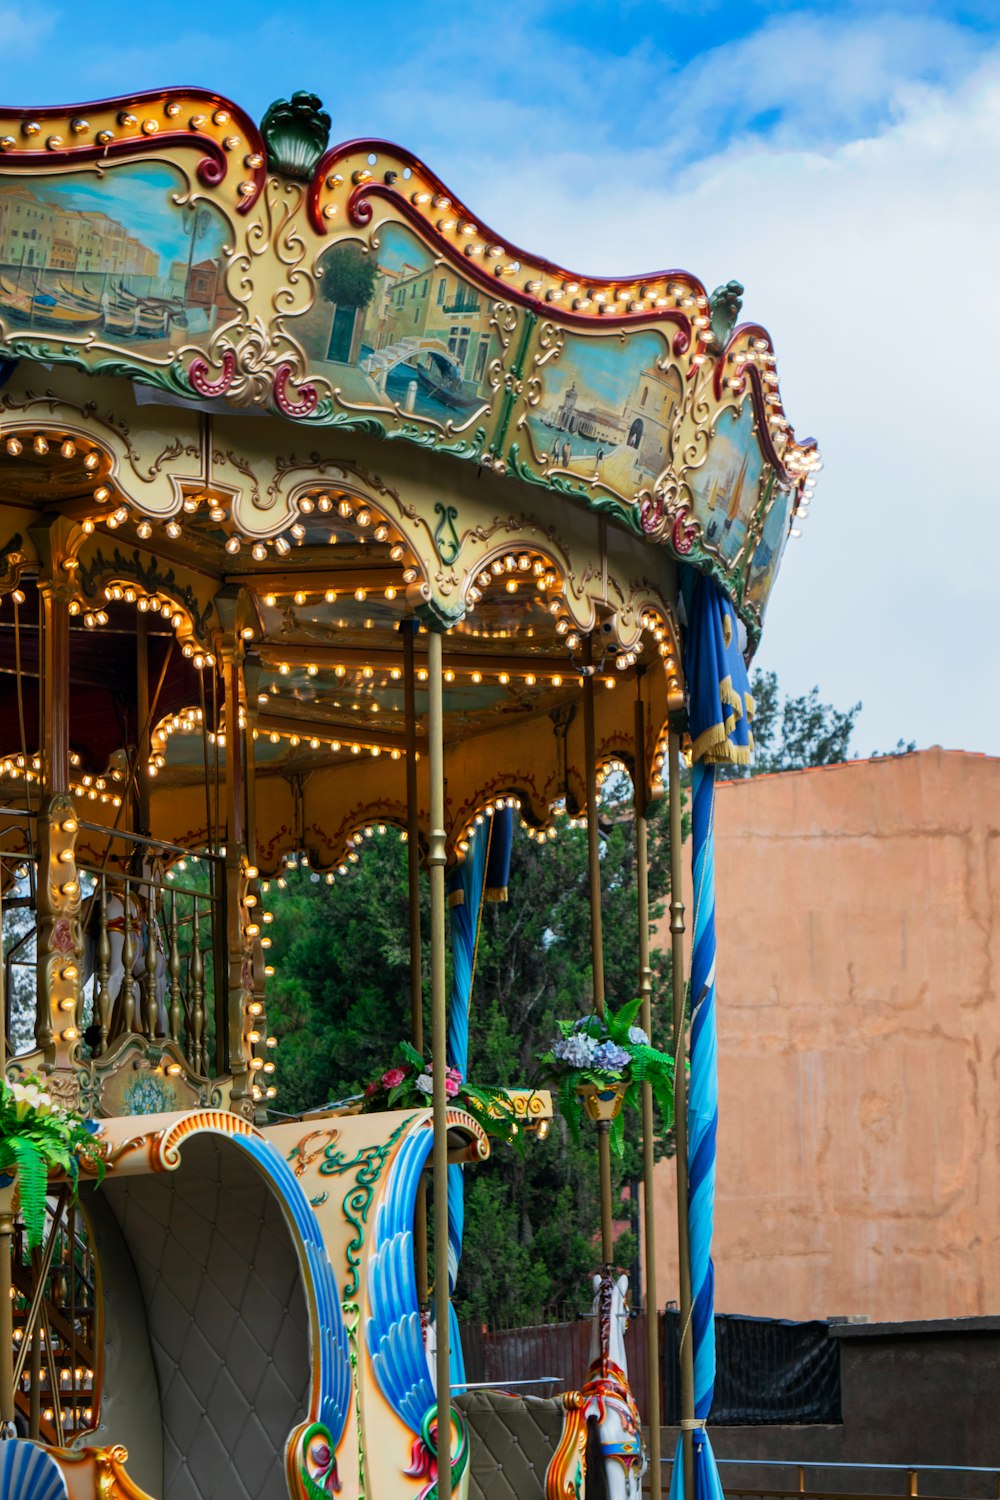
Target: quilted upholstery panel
column 227, row 1321
column 511, row 1443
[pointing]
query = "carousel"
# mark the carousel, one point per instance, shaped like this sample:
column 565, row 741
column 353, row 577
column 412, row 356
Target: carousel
column 323, row 510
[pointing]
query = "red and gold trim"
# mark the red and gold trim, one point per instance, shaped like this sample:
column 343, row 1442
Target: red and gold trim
column 105, row 130
column 352, row 177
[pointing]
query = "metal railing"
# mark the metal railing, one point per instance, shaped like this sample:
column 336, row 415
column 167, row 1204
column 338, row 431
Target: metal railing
column 153, row 941
column 908, row 1488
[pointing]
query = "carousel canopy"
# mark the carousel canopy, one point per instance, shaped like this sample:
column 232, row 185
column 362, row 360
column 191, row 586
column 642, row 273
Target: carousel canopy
column 298, row 402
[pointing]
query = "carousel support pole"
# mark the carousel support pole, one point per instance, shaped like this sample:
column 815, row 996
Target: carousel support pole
column 142, row 716
column 258, row 964
column 648, row 1155
column 230, row 1046
column 436, row 855
column 6, row 1308
column 596, row 934
column 409, row 631
column 35, row 1367
column 680, row 1106
column 60, row 941
column 413, row 836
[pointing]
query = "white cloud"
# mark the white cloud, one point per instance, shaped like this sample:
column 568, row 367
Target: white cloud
column 873, row 263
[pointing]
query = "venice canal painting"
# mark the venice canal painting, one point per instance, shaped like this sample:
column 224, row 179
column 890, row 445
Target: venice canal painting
column 401, row 330
column 113, row 256
column 726, row 489
column 604, row 417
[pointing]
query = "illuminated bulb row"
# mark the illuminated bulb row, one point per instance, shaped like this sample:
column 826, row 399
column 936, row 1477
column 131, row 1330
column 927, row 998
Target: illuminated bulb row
column 394, row 674
column 41, row 445
column 316, row 741
column 131, row 125
column 453, row 225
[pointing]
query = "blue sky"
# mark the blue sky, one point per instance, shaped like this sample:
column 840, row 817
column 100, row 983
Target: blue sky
column 840, row 160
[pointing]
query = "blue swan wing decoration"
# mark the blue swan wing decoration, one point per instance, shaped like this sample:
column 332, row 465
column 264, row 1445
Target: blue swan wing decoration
column 334, row 1354
column 29, row 1473
column 395, row 1334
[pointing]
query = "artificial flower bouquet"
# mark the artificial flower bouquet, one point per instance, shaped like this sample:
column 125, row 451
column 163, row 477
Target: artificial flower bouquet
column 36, row 1138
column 409, row 1084
column 610, row 1056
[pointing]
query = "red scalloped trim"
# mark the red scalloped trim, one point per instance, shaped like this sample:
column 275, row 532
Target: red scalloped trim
column 756, row 330
column 211, row 170
column 360, row 213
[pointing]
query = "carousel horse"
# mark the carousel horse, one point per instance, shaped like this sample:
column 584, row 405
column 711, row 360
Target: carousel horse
column 141, row 895
column 614, row 1442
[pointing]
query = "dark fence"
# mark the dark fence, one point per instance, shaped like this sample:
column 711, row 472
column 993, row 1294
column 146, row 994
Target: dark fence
column 767, row 1371
column 558, row 1349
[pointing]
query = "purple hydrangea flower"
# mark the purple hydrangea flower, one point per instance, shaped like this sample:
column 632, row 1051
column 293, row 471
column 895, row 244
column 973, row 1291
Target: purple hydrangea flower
column 609, row 1055
column 577, row 1051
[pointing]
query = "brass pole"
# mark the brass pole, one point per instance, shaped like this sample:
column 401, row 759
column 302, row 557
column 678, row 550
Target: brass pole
column 680, row 1104
column 413, row 837
column 6, row 1309
column 409, row 630
column 648, row 1154
column 230, row 1027
column 596, row 935
column 144, row 726
column 439, row 1043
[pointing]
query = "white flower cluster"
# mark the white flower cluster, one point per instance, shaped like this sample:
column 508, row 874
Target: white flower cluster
column 29, row 1096
column 638, row 1037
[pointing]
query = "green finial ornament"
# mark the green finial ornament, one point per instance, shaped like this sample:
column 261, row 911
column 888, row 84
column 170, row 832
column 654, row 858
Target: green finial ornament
column 724, row 309
column 296, row 132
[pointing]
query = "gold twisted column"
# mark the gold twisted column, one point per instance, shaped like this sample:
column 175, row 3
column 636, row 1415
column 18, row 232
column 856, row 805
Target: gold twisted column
column 439, row 1043
column 648, row 1154
column 596, row 935
column 60, row 941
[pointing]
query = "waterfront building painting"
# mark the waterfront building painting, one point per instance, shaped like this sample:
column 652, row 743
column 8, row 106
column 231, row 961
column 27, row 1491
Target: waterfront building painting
column 114, row 256
column 725, row 489
column 404, row 330
column 605, row 418
column 767, row 554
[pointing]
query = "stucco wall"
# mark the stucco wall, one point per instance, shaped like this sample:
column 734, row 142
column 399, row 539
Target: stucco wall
column 859, row 1043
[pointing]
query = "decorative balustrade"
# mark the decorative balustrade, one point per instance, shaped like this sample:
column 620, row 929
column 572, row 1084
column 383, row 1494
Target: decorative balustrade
column 151, row 925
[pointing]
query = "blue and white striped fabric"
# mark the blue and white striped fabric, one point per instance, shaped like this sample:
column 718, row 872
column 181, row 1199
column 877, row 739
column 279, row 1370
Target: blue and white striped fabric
column 720, row 712
column 27, row 1472
column 465, row 897
column 707, row 1484
column 703, row 1089
column 484, row 873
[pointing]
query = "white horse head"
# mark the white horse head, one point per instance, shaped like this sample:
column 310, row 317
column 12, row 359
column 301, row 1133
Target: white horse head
column 611, row 1412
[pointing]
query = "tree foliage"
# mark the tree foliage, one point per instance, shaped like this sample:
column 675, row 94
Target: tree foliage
column 340, row 1001
column 349, row 277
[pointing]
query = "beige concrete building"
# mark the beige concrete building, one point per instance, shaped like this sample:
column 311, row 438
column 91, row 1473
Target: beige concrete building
column 859, row 1042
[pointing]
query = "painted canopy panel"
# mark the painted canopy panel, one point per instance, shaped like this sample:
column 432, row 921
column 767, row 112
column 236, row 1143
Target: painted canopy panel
column 164, row 239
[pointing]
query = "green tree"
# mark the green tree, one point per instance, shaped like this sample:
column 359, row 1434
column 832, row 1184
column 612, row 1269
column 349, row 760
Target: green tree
column 340, row 999
column 349, row 277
